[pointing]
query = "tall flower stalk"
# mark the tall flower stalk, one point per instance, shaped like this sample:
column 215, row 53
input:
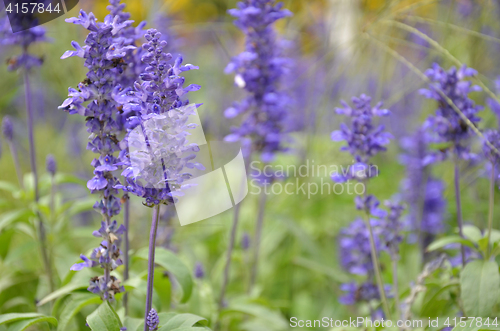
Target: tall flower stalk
column 260, row 70
column 105, row 47
column 364, row 140
column 130, row 73
column 157, row 121
column 24, row 62
column 447, row 126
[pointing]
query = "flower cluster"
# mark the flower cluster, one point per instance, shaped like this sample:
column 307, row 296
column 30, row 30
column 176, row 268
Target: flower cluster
column 364, row 139
column 370, row 205
column 354, row 247
column 131, row 65
column 152, row 320
column 260, row 70
column 356, row 258
column 423, row 192
column 434, row 207
column 25, row 38
column 393, row 227
column 7, row 128
column 157, row 120
column 107, row 256
column 105, row 47
column 199, row 271
column 447, row 126
column 51, row 164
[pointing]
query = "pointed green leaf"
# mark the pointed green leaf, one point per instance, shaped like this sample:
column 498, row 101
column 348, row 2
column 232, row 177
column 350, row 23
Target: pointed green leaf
column 495, row 235
column 73, row 305
column 13, row 317
column 273, row 318
column 25, row 323
column 182, row 321
column 471, row 232
column 12, row 216
column 104, row 318
column 440, row 243
column 173, row 264
column 7, row 186
column 62, row 291
column 480, row 287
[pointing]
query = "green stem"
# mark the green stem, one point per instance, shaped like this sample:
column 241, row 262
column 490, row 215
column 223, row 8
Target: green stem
column 151, row 263
column 459, row 209
column 395, row 285
column 257, row 239
column 492, row 205
column 376, row 268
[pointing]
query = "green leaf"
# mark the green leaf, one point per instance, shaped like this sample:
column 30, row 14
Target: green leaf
column 134, row 324
column 173, row 264
column 186, row 328
column 261, row 312
column 471, row 232
column 12, row 216
column 495, row 235
column 182, row 321
column 62, row 291
column 440, row 243
column 7, row 186
column 24, row 324
column 474, row 328
column 13, row 317
column 73, row 306
column 480, row 287
column 104, row 318
column 163, row 288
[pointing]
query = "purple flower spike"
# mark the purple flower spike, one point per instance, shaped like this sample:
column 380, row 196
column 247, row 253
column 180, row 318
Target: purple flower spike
column 31, row 33
column 364, row 139
column 446, row 126
column 154, row 111
column 153, row 321
column 245, row 241
column 111, row 61
column 423, row 192
column 199, row 271
column 393, row 227
column 354, row 245
column 7, row 128
column 260, row 70
column 51, row 164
